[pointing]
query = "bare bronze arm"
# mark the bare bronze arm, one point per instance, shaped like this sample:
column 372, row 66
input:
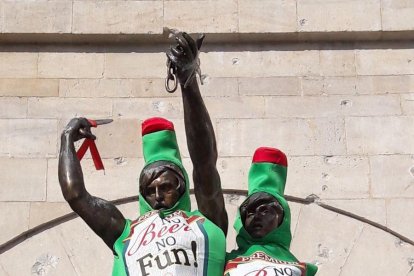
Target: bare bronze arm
column 199, row 130
column 101, row 216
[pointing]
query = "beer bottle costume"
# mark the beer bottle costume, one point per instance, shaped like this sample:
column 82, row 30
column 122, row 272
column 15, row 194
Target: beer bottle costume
column 175, row 241
column 269, row 255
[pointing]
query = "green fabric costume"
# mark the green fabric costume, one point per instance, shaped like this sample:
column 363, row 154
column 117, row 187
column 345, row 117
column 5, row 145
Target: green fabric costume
column 175, row 241
column 271, row 253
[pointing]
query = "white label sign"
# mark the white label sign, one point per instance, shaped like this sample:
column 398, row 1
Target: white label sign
column 261, row 264
column 170, row 246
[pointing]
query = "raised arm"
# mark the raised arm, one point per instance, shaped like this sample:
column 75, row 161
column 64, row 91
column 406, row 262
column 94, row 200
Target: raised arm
column 199, row 130
column 101, row 216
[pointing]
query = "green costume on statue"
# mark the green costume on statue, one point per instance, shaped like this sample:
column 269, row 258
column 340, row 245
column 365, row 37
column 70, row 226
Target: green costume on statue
column 174, row 241
column 269, row 255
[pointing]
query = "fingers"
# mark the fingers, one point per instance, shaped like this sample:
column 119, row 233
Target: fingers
column 86, row 133
column 191, row 43
column 80, row 122
column 172, row 57
column 85, row 128
column 182, row 41
column 178, row 58
column 79, row 128
column 177, row 51
column 200, row 40
column 187, row 43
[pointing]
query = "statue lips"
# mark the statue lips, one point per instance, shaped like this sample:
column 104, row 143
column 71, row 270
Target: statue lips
column 159, row 206
column 257, row 225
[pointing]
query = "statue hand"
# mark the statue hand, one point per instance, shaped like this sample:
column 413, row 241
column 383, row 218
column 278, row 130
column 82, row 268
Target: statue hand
column 78, row 128
column 184, row 55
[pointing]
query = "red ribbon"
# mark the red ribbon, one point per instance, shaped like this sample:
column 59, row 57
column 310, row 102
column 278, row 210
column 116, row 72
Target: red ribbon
column 90, row 144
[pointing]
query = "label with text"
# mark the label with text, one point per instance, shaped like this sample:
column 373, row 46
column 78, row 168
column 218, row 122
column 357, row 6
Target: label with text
column 261, row 264
column 170, row 246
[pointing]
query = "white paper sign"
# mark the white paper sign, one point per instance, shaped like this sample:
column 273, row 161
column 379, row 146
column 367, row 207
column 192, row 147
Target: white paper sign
column 170, row 246
column 261, row 264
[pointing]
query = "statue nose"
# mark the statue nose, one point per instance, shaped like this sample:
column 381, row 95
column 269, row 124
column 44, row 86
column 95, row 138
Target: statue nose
column 158, row 195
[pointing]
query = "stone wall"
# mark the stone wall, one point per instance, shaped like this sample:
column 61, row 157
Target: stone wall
column 331, row 83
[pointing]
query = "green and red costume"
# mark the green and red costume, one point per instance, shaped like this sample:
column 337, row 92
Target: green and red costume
column 269, row 255
column 176, row 241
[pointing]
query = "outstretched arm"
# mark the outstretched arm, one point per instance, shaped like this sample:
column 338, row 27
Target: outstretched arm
column 199, row 130
column 101, row 216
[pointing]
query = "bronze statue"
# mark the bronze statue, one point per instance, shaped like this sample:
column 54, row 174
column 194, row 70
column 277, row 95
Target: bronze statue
column 263, row 223
column 167, row 236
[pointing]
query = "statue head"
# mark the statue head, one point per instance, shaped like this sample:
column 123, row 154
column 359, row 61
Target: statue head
column 264, row 217
column 164, row 183
column 261, row 213
column 161, row 184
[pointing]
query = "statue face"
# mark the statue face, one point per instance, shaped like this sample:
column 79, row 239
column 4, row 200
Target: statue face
column 262, row 216
column 163, row 191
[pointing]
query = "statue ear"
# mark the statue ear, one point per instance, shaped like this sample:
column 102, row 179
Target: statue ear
column 281, row 214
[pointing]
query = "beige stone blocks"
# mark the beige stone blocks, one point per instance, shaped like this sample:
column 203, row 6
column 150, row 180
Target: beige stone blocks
column 119, row 180
column 42, row 251
column 392, row 176
column 142, row 108
column 329, row 85
column 1, row 30
column 29, row 87
column 218, row 87
column 18, row 65
column 385, row 84
column 372, row 209
column 218, row 17
column 337, row 62
column 70, row 65
column 234, row 171
column 232, row 205
column 338, row 15
column 397, row 15
column 386, row 247
column 407, row 103
column 333, row 106
column 37, row 16
column 120, row 139
column 328, row 177
column 357, row 85
column 325, row 237
column 267, row 16
column 342, row 112
column 399, row 218
column 80, row 242
column 69, row 107
column 319, row 136
column 28, row 138
column 280, row 86
column 2, row 269
column 13, row 107
column 112, row 88
column 135, row 65
column 120, row 17
column 15, row 219
column 251, row 64
column 22, row 179
column 42, row 212
column 202, row 16
column 235, row 107
column 379, row 135
column 385, row 62
column 140, row 88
